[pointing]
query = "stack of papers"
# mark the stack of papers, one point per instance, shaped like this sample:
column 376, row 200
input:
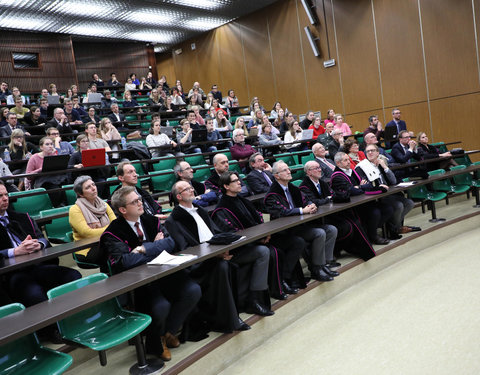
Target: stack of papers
column 166, row 258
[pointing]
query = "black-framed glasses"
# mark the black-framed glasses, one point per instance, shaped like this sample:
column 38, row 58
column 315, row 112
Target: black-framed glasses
column 135, row 202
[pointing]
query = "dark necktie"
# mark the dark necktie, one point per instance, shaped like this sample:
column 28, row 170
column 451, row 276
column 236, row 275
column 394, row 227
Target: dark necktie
column 319, row 189
column 265, row 176
column 289, row 198
column 5, row 222
column 139, row 232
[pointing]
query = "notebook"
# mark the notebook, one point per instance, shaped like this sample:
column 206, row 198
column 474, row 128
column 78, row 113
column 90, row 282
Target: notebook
column 95, row 97
column 53, row 99
column 55, row 163
column 94, row 157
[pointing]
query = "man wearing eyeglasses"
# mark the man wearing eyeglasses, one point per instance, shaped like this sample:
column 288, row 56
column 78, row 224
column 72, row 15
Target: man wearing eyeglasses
column 405, row 150
column 136, row 238
column 285, row 199
column 62, row 147
column 203, row 196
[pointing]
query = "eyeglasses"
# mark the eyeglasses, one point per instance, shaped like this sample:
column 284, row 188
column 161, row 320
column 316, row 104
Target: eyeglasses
column 314, row 168
column 186, row 189
column 284, row 170
column 186, row 169
column 371, row 150
column 235, row 180
column 135, row 202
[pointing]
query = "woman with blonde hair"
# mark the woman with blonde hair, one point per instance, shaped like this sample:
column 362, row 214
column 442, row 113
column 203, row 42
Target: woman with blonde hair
column 240, row 124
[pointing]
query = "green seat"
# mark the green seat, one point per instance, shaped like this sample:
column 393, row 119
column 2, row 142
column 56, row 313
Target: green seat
column 33, row 204
column 305, row 158
column 440, row 146
column 102, row 326
column 173, row 123
column 227, row 153
column 463, row 160
column 422, row 194
column 477, row 172
column 163, row 182
column 71, row 195
column 162, row 164
column 297, row 183
column 145, row 125
column 235, row 167
column 194, row 160
column 201, row 173
column 297, row 169
column 446, row 185
column 113, row 187
column 59, row 230
column 130, row 118
column 27, row 356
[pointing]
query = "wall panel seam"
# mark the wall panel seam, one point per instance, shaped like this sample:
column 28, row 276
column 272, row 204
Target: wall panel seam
column 303, row 57
column 275, row 90
column 244, row 60
column 378, row 59
column 476, row 38
column 338, row 57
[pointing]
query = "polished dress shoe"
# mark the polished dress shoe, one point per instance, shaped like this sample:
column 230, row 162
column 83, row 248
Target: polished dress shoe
column 329, row 272
column 320, row 275
column 172, row 341
column 288, row 289
column 333, row 264
column 404, row 230
column 166, row 355
column 242, row 326
column 280, row 296
column 380, row 241
column 256, row 308
column 415, row 229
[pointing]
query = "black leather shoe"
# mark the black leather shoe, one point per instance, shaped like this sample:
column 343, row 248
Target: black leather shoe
column 256, row 308
column 288, row 289
column 329, row 272
column 380, row 241
column 394, row 236
column 242, row 325
column 333, row 264
column 320, row 275
column 415, row 229
column 280, row 296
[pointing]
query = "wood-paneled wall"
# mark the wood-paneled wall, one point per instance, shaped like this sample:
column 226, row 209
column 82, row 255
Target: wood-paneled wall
column 418, row 55
column 56, row 57
column 105, row 58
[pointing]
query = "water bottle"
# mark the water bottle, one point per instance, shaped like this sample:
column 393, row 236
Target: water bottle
column 168, row 123
column 6, row 155
column 124, row 143
column 107, row 160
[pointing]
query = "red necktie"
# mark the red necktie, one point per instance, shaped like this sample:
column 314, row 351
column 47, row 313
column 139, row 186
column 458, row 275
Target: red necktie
column 139, row 232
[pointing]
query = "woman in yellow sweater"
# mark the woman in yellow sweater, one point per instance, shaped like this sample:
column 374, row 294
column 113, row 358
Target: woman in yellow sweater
column 88, row 217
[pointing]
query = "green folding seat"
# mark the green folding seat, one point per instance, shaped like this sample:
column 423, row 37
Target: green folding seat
column 201, row 172
column 32, row 204
column 26, row 356
column 102, row 326
column 71, row 195
column 59, row 230
column 195, row 159
column 162, row 182
column 422, row 194
column 162, row 164
column 446, row 185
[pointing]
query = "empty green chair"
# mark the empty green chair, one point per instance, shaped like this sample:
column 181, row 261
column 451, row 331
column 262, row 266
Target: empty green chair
column 297, row 183
column 102, row 326
column 71, row 195
column 446, row 185
column 32, row 204
column 201, row 173
column 130, row 118
column 162, row 164
column 467, row 179
column 113, row 186
column 422, row 194
column 305, row 158
column 164, row 181
column 194, row 160
column 227, row 153
column 441, row 147
column 59, row 230
column 27, row 356
column 463, row 160
column 477, row 172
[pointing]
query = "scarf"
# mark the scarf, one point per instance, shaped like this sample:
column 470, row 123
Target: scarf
column 95, row 214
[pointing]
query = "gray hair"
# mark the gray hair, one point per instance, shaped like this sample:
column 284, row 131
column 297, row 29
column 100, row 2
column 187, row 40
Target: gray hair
column 78, row 184
column 276, row 166
column 317, row 146
column 118, row 198
column 339, row 156
column 237, row 132
column 252, row 158
column 308, row 165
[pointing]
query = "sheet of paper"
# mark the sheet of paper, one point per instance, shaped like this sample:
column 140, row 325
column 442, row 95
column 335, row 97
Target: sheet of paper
column 166, row 258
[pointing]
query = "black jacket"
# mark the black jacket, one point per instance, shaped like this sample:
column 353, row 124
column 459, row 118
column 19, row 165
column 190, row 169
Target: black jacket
column 257, row 183
column 276, row 201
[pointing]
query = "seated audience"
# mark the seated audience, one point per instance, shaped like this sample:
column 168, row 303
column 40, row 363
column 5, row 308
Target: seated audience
column 94, row 138
column 285, row 199
column 113, row 81
column 308, row 120
column 198, row 117
column 150, row 80
column 155, row 102
column 5, row 172
column 194, row 100
column 374, row 127
column 169, row 106
column 107, row 99
column 15, row 93
column 108, row 131
column 78, row 107
column 352, row 149
column 144, row 85
column 221, row 123
column 4, row 91
column 156, row 139
column 116, row 117
column 326, row 138
column 176, row 97
column 405, row 150
column 326, row 164
column 317, row 127
column 196, row 86
column 20, row 149
column 3, row 116
column 96, row 80
column 129, row 102
column 133, row 239
column 295, row 133
column 342, row 126
column 336, row 143
column 62, row 147
column 241, row 151
column 232, row 102
column 431, row 152
column 129, row 85
column 217, row 94
column 345, row 182
column 260, row 177
column 240, row 124
column 60, row 121
column 88, row 217
column 91, row 116
column 20, row 235
column 12, row 125
column 268, row 138
column 203, row 196
column 19, row 109
column 280, row 122
column 209, row 101
column 220, row 166
column 34, row 117
column 184, row 139
column 330, row 119
column 371, row 139
column 257, row 120
column 73, row 116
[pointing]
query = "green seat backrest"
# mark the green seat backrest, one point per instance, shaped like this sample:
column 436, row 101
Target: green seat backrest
column 71, row 195
column 113, row 187
column 463, row 160
column 33, row 204
column 462, row 179
column 228, row 154
column 297, row 182
column 436, row 171
column 163, row 182
column 87, row 319
column 59, row 228
column 287, row 158
column 305, row 158
column 194, row 160
column 202, row 173
column 130, row 118
column 163, row 164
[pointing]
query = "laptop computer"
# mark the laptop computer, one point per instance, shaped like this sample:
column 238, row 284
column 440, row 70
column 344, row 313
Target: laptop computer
column 55, row 163
column 390, row 133
column 307, row 134
column 199, row 135
column 95, row 97
column 53, row 99
column 168, row 130
column 253, row 132
column 94, row 157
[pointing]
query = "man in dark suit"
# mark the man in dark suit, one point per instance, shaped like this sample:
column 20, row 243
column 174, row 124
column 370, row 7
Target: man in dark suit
column 327, row 166
column 260, row 178
column 326, row 137
column 6, row 131
column 203, row 196
column 19, row 235
column 285, row 199
column 402, row 152
column 136, row 238
column 397, row 123
column 117, row 118
column 217, row 94
column 59, row 121
column 336, row 144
